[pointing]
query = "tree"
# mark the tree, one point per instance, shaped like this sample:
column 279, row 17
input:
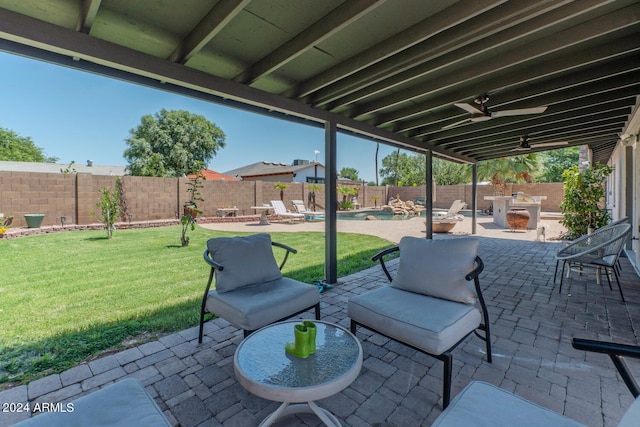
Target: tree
column 350, row 173
column 109, row 209
column 403, row 169
column 169, row 144
column 14, row 147
column 281, row 186
column 450, row 173
column 555, row 162
column 584, row 195
column 508, row 169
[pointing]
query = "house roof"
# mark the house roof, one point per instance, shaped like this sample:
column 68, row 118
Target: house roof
column 321, row 62
column 214, row 176
column 58, row 167
column 265, row 168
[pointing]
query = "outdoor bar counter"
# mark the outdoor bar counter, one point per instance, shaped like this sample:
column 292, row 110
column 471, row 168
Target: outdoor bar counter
column 502, row 204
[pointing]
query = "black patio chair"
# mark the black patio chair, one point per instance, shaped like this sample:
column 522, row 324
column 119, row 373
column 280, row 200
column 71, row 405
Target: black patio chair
column 250, row 290
column 430, row 306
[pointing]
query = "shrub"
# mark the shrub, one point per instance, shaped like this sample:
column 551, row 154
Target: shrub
column 584, row 196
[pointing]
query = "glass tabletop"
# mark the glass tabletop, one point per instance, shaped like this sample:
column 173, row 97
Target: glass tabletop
column 261, row 357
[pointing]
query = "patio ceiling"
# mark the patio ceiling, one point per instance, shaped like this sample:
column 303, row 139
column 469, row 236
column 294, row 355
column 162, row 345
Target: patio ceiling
column 389, row 70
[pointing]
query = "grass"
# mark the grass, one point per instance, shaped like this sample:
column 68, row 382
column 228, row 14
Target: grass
column 66, row 297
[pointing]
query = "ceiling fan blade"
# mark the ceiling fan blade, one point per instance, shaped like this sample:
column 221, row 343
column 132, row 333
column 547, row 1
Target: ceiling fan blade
column 521, row 149
column 469, row 108
column 550, row 144
column 452, row 125
column 519, row 112
column 480, row 118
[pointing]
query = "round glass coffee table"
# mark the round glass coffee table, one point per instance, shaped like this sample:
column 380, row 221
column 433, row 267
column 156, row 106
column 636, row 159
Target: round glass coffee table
column 264, row 368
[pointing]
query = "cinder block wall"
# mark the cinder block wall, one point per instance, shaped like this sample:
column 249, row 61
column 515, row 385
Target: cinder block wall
column 74, row 196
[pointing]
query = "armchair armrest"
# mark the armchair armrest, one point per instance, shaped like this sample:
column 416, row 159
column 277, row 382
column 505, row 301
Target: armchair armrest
column 288, row 249
column 615, row 352
column 380, row 257
column 214, row 265
column 476, row 271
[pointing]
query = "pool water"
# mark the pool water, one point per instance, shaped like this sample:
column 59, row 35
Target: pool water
column 361, row 215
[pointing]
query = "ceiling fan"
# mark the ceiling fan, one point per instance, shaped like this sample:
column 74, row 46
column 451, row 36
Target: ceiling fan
column 482, row 113
column 525, row 146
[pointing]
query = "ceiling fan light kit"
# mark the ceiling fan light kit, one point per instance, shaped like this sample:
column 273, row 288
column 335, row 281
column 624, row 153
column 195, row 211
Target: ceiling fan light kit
column 525, row 146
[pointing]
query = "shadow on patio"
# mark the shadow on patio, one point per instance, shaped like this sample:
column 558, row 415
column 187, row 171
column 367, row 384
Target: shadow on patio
column 532, row 327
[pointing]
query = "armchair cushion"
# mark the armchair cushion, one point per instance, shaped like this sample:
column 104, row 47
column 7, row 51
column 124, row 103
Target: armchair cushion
column 236, row 254
column 437, row 268
column 252, row 307
column 484, row 405
column 430, row 324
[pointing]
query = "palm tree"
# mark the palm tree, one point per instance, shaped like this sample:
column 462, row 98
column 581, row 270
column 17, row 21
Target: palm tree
column 508, row 169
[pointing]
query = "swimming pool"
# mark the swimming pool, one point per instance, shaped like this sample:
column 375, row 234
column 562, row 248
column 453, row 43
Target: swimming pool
column 361, row 215
column 378, row 214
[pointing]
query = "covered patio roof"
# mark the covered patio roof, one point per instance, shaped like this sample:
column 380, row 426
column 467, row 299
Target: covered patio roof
column 387, row 70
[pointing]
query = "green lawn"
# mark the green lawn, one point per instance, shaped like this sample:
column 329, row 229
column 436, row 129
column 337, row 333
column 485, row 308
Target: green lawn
column 65, row 297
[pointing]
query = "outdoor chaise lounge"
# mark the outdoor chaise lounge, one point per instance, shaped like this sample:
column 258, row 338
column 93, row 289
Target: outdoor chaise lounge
column 250, row 291
column 429, row 305
column 482, row 405
column 282, row 213
column 443, row 222
column 300, row 208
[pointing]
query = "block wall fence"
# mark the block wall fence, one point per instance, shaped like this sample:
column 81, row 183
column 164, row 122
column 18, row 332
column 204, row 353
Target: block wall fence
column 74, row 196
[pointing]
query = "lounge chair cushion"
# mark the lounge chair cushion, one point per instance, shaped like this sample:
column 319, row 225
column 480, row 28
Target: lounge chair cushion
column 485, row 405
column 125, row 403
column 430, row 324
column 437, row 267
column 253, row 307
column 237, row 254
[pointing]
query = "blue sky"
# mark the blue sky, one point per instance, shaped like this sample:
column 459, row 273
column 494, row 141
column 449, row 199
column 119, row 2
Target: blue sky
column 79, row 116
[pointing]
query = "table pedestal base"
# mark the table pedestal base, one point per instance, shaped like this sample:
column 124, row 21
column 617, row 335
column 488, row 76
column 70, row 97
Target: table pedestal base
column 301, row 408
column 263, row 219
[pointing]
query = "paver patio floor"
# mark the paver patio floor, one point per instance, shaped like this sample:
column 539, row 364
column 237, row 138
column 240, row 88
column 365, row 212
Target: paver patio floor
column 531, row 324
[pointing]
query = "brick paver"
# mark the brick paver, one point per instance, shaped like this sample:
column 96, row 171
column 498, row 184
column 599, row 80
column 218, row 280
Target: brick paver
column 532, row 327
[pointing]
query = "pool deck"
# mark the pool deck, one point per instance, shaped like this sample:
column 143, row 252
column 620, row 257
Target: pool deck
column 393, row 230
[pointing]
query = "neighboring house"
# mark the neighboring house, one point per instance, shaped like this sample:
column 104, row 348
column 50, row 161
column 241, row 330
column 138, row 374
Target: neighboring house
column 214, row 176
column 299, row 171
column 59, row 167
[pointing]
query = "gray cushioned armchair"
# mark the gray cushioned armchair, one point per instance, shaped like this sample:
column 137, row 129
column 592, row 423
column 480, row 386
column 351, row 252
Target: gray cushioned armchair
column 430, row 305
column 250, row 290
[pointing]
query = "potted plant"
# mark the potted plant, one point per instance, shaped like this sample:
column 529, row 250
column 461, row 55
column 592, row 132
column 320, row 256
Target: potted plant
column 5, row 223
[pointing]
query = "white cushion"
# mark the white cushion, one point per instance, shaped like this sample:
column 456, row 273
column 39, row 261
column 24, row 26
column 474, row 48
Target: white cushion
column 485, row 405
column 430, row 324
column 437, row 267
column 247, row 260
